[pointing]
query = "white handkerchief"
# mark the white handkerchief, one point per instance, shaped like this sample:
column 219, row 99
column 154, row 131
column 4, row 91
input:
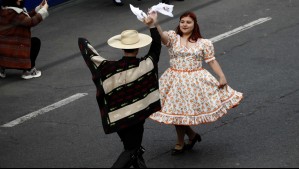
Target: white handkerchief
column 139, row 13
column 163, row 8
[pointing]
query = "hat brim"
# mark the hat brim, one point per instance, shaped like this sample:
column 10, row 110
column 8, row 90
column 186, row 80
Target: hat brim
column 115, row 42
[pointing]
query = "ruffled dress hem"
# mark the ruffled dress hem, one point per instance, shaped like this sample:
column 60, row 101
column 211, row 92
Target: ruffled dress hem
column 187, row 120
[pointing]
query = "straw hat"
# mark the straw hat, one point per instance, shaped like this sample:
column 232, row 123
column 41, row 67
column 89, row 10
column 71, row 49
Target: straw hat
column 130, row 39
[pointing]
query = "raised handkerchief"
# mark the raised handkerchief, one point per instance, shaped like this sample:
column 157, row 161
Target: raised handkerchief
column 139, row 13
column 163, row 8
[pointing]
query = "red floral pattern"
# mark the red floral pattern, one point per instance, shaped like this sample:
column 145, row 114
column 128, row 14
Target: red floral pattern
column 190, row 94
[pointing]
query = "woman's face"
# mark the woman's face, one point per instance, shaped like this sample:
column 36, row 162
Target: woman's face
column 19, row 2
column 187, row 25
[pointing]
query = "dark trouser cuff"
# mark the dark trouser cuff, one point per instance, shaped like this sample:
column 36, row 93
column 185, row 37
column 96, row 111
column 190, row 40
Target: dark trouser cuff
column 130, row 158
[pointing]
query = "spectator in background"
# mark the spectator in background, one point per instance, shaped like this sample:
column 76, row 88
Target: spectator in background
column 18, row 50
column 120, row 2
column 168, row 1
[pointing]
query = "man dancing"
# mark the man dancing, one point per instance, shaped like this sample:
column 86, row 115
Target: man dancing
column 128, row 89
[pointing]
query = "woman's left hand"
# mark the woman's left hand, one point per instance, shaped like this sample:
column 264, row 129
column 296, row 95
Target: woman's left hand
column 222, row 82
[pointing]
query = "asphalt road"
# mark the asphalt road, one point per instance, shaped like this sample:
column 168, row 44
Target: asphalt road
column 262, row 62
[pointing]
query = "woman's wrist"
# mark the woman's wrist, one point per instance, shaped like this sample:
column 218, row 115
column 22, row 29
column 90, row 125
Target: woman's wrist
column 222, row 77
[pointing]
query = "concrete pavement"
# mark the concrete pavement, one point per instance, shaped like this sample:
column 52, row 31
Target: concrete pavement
column 261, row 62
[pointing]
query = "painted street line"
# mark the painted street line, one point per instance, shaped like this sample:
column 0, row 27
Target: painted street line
column 44, row 110
column 240, row 29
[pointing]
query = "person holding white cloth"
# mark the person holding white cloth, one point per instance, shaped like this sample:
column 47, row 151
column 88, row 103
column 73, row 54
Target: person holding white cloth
column 18, row 50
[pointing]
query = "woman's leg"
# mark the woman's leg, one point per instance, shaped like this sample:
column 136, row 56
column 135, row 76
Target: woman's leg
column 180, row 146
column 34, row 51
column 190, row 133
column 193, row 138
column 181, row 132
column 35, row 48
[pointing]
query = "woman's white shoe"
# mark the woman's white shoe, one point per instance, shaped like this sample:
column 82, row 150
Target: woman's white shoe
column 33, row 73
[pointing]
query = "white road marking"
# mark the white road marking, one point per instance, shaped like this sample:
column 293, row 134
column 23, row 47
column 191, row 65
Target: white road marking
column 44, row 110
column 240, row 29
column 80, row 95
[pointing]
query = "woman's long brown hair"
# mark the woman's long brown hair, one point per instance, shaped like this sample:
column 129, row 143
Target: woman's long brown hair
column 196, row 31
column 12, row 3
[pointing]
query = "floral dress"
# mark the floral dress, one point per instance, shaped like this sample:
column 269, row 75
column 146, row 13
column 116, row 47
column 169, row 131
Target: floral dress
column 189, row 94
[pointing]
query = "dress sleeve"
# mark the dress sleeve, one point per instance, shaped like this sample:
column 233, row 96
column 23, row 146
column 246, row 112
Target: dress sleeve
column 171, row 38
column 209, row 52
